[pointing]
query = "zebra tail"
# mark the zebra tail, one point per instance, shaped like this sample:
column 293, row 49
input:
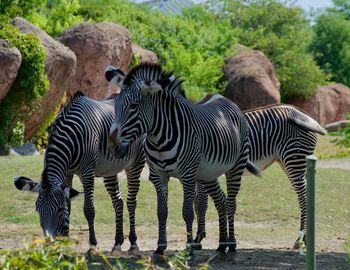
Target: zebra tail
column 306, row 122
column 253, row 169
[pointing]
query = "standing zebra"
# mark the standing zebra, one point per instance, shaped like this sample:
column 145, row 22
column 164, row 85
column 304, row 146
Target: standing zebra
column 185, row 141
column 78, row 144
column 280, row 133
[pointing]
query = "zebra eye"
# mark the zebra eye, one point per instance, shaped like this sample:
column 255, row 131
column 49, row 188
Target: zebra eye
column 61, row 210
column 133, row 106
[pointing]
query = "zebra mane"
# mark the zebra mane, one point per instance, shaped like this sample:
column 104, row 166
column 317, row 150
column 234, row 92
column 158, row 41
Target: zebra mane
column 148, row 72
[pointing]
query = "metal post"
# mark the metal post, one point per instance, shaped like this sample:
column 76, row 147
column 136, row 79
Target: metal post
column 311, row 207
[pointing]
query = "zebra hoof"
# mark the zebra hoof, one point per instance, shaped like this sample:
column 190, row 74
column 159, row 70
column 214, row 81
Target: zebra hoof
column 300, row 243
column 231, row 257
column 134, row 251
column 196, row 246
column 93, row 251
column 158, row 258
column 219, row 256
column 116, row 251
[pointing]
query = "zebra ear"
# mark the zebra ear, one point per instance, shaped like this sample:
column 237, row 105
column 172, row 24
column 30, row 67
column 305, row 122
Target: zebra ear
column 70, row 193
column 74, row 193
column 115, row 76
column 26, row 184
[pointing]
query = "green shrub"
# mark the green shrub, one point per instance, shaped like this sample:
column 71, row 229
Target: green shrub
column 331, row 45
column 283, row 34
column 344, row 134
column 28, row 88
column 43, row 254
column 59, row 254
column 194, row 45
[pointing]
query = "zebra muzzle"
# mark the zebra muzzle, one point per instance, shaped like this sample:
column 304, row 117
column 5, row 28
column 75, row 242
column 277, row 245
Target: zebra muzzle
column 121, row 150
column 112, row 139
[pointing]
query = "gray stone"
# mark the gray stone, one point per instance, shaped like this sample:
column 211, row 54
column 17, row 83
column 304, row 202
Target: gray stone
column 97, row 45
column 60, row 65
column 27, row 149
column 10, row 62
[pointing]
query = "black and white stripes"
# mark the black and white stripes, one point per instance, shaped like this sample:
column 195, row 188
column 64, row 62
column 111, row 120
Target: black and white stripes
column 186, row 141
column 280, row 133
column 78, row 144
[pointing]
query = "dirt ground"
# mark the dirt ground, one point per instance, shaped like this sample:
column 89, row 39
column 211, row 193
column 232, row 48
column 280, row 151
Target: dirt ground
column 268, row 254
column 263, row 254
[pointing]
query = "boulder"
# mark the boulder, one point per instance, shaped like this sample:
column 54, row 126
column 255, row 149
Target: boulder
column 251, row 79
column 97, row 45
column 143, row 55
column 60, row 65
column 27, row 149
column 331, row 127
column 328, row 105
column 10, row 61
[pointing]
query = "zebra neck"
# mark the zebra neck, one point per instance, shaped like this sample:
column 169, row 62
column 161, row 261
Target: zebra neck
column 167, row 121
column 55, row 166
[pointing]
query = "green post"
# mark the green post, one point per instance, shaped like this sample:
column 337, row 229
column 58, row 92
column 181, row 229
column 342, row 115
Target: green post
column 311, row 207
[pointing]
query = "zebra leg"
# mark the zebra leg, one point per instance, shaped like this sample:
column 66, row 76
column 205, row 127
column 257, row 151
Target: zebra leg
column 201, row 206
column 89, row 210
column 68, row 181
column 233, row 180
column 189, row 186
column 112, row 187
column 296, row 170
column 161, row 186
column 133, row 175
column 216, row 193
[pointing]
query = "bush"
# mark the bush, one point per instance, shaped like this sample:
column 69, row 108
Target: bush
column 59, row 254
column 43, row 254
column 28, row 88
column 331, row 45
column 194, row 45
column 284, row 35
column 345, row 135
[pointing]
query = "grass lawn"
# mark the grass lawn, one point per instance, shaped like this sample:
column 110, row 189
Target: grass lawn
column 267, row 208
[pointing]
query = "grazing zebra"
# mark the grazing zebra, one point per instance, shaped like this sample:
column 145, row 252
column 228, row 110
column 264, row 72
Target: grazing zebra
column 280, row 133
column 185, row 141
column 78, row 144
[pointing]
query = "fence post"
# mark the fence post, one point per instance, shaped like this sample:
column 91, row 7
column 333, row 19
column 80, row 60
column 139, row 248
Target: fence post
column 311, row 213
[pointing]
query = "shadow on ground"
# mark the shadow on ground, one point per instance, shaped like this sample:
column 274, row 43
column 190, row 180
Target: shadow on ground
column 244, row 259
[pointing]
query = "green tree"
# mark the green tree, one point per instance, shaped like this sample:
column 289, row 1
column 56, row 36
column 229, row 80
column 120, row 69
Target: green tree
column 283, row 33
column 28, row 88
column 194, row 45
column 331, row 43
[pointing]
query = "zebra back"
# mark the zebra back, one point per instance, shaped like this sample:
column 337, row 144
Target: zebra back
column 277, row 129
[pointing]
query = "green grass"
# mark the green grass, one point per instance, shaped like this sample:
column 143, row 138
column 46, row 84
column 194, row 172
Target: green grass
column 326, row 148
column 269, row 204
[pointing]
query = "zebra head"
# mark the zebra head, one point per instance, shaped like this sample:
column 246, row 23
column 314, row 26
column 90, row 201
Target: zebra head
column 52, row 205
column 133, row 107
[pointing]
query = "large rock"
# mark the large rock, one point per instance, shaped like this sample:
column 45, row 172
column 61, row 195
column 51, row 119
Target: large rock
column 328, row 105
column 10, row 61
column 60, row 65
column 97, row 45
column 143, row 55
column 251, row 79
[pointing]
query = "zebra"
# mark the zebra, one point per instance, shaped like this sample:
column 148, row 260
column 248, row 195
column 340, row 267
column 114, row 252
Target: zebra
column 183, row 140
column 78, row 144
column 282, row 133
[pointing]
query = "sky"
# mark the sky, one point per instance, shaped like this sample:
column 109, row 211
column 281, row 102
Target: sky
column 307, row 4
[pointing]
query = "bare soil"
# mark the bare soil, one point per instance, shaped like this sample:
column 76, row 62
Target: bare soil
column 267, row 254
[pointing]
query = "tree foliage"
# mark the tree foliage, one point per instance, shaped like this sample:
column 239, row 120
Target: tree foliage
column 29, row 86
column 283, row 34
column 193, row 45
column 331, row 43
